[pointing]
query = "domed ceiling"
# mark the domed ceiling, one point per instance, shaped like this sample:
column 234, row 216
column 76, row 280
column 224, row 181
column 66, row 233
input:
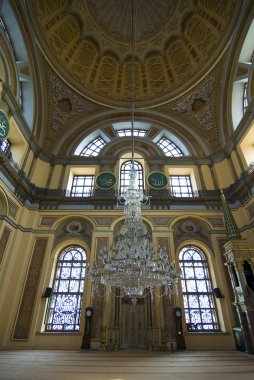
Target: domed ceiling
column 178, row 42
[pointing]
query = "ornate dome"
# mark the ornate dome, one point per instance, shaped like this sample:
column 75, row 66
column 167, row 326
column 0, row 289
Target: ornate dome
column 89, row 43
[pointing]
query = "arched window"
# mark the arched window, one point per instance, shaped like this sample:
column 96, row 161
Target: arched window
column 64, row 306
column 125, row 175
column 169, row 148
column 199, row 305
column 93, row 148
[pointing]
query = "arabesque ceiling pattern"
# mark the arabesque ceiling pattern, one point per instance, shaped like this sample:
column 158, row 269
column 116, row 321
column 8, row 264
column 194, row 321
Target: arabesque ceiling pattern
column 90, row 41
column 87, row 56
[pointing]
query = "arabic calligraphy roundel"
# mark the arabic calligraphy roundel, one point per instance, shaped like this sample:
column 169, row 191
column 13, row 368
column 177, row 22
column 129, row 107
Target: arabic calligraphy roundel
column 157, row 180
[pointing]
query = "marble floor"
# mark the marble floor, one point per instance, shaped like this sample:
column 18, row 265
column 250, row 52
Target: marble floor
column 125, row 365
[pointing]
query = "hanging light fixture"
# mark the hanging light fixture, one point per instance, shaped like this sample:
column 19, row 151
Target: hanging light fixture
column 132, row 264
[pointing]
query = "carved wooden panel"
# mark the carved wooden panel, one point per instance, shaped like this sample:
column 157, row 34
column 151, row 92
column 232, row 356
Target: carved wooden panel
column 25, row 314
column 3, row 242
column 133, row 326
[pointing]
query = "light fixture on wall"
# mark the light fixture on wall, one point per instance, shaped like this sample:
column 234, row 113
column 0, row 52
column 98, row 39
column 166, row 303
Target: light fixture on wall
column 132, row 264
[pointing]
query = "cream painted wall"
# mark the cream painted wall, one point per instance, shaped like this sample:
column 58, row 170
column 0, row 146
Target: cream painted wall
column 83, row 170
column 29, row 162
column 12, row 279
column 40, row 173
column 223, row 174
column 18, row 143
column 186, row 170
column 207, row 177
column 18, row 254
column 55, row 177
column 236, row 164
column 247, row 146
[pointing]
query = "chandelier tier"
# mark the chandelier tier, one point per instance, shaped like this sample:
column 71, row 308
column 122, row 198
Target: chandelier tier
column 132, row 264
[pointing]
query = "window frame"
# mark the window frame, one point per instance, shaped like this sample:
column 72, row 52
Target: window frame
column 57, row 294
column 128, row 133
column 169, row 148
column 124, row 177
column 5, row 146
column 178, row 190
column 199, row 312
column 93, row 148
column 89, row 186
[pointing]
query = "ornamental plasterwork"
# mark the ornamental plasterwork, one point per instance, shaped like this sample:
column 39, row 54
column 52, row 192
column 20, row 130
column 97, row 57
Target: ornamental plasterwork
column 13, row 209
column 161, row 221
column 216, row 222
column 48, row 220
column 65, row 104
column 73, row 229
column 89, row 41
column 104, row 220
column 197, row 104
column 191, row 229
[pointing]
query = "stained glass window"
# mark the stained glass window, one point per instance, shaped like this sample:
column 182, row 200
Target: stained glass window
column 198, row 298
column 82, row 186
column 169, row 148
column 64, row 305
column 125, row 175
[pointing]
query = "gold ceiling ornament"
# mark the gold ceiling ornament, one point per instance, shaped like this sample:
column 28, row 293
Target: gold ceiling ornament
column 178, row 43
column 132, row 264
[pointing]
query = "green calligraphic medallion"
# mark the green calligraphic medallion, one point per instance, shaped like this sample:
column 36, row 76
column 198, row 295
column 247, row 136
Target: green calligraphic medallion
column 105, row 180
column 157, row 180
column 4, row 125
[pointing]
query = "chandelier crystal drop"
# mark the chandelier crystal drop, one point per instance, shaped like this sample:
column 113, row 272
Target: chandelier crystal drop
column 132, row 264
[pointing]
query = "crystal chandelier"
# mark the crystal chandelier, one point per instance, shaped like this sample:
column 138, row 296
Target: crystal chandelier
column 132, row 264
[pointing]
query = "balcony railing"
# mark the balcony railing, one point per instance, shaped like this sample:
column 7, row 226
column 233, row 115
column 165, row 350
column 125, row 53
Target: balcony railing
column 241, row 190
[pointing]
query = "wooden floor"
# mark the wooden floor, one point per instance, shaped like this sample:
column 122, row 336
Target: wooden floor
column 125, row 365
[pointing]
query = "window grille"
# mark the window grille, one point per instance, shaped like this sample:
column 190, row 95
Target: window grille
column 245, row 97
column 64, row 306
column 169, row 148
column 198, row 298
column 93, row 148
column 82, row 186
column 128, row 132
column 5, row 146
column 125, row 176
column 180, row 186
